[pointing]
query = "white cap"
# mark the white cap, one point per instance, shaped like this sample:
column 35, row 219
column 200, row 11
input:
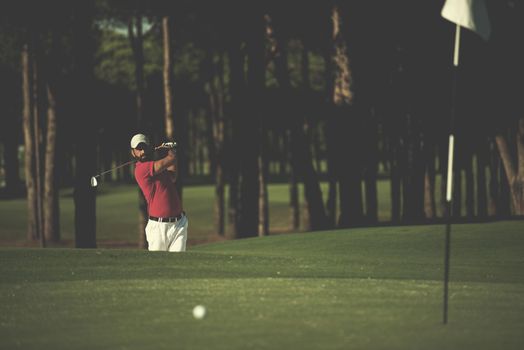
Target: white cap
column 137, row 139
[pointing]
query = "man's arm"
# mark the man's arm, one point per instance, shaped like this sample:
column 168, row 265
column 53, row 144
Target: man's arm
column 166, row 163
column 173, row 168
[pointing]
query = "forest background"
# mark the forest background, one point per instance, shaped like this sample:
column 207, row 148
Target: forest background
column 329, row 97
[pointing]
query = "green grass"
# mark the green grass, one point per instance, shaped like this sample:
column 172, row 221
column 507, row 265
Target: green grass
column 117, row 213
column 373, row 288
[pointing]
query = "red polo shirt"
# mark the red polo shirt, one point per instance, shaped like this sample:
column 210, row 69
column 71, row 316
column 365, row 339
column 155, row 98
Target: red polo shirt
column 158, row 189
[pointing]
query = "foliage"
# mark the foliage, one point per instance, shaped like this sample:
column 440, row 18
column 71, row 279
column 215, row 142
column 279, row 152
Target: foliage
column 402, row 84
column 114, row 60
column 10, row 43
column 10, row 81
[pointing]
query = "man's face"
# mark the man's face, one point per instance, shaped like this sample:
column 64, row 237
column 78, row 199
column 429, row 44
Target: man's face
column 142, row 152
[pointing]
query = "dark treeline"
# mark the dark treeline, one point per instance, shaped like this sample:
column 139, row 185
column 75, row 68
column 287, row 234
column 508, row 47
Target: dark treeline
column 342, row 92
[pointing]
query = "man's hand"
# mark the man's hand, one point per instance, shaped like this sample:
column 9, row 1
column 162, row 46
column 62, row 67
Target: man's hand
column 168, row 145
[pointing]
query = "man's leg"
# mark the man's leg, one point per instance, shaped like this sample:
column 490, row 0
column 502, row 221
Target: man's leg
column 178, row 235
column 156, row 235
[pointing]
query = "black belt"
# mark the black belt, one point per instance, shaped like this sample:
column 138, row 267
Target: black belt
column 168, row 219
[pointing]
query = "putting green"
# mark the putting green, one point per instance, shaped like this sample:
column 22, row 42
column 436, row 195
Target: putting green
column 373, row 288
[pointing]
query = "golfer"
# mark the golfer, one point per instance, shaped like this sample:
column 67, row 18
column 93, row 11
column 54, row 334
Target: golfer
column 166, row 229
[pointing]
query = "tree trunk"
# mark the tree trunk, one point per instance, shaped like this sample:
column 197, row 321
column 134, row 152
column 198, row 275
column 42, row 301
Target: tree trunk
column 470, row 186
column 11, row 165
column 520, row 150
column 84, row 194
column 503, row 200
column 350, row 187
column 284, row 153
column 167, row 74
column 514, row 172
column 482, row 210
column 29, row 166
column 263, row 207
column 518, row 187
column 329, row 135
column 38, row 135
column 137, row 45
column 263, row 166
column 237, row 88
column 317, row 219
column 216, row 136
column 429, row 182
column 318, row 151
column 331, row 203
column 278, row 51
column 220, row 145
column 332, row 171
column 210, row 120
column 65, row 167
column 299, row 140
column 349, row 170
column 371, row 194
column 51, row 194
column 294, row 209
column 180, row 127
column 493, row 186
column 233, row 201
column 201, row 158
column 342, row 94
column 220, row 201
column 429, row 152
column 138, row 54
column 371, row 168
column 250, row 124
column 413, row 179
column 395, row 187
column 220, row 214
column 192, row 136
column 51, row 209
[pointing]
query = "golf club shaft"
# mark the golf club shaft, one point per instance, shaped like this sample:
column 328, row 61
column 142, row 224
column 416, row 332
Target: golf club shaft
column 117, row 167
column 131, row 161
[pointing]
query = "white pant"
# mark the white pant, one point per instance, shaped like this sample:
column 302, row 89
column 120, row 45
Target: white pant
column 167, row 236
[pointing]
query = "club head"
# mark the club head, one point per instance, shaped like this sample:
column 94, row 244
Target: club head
column 94, row 182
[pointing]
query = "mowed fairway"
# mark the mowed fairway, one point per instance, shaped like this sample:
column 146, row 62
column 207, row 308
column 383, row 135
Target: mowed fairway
column 117, row 214
column 373, row 288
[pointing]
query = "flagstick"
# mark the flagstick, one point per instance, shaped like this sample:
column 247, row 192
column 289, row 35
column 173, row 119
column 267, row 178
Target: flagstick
column 448, row 226
column 449, row 192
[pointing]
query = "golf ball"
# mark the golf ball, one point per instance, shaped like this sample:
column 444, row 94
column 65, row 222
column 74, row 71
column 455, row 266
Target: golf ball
column 199, row 312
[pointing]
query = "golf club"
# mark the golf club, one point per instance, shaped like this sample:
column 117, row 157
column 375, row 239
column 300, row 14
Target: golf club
column 94, row 181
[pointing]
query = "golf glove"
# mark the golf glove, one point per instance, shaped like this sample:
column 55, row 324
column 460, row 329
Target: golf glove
column 168, row 145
